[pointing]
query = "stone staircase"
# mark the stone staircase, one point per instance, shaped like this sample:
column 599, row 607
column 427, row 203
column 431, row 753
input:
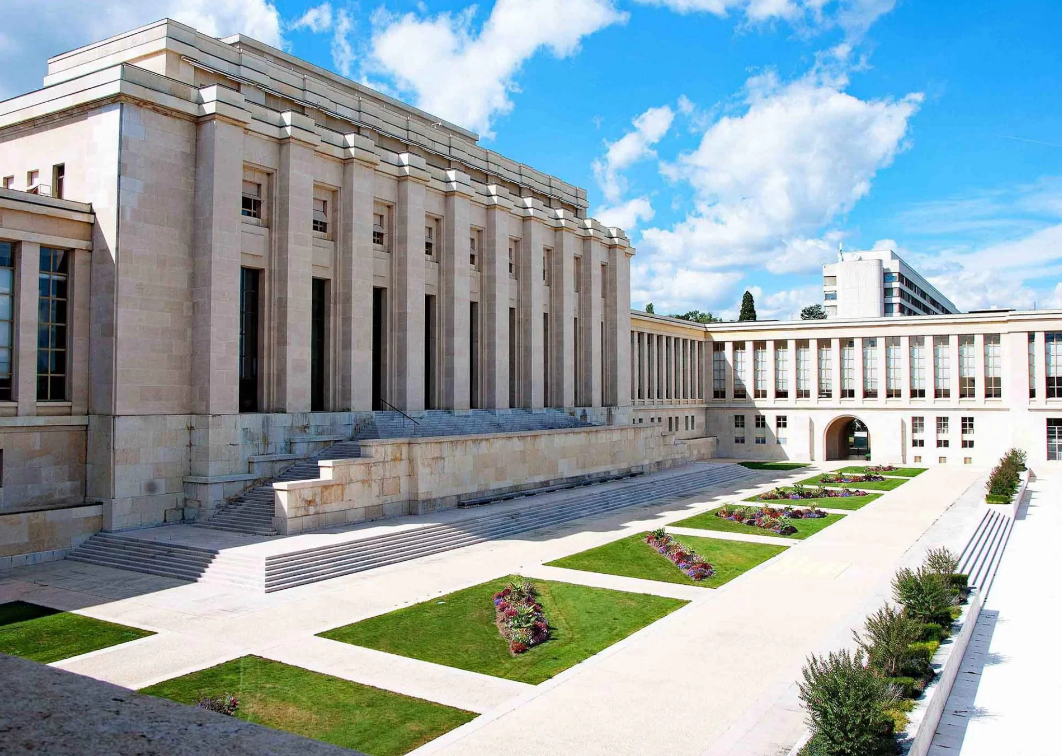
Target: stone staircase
column 983, row 552
column 288, row 570
column 252, row 511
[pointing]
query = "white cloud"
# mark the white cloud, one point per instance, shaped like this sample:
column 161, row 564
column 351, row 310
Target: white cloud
column 316, row 19
column 342, row 50
column 684, row 289
column 649, row 128
column 52, row 27
column 853, row 16
column 466, row 75
column 626, row 215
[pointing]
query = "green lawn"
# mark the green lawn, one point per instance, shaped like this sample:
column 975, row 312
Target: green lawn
column 47, row 635
column 847, row 502
column 874, row 485
column 458, row 629
column 709, row 521
column 899, row 472
column 632, row 557
column 318, row 706
column 773, row 465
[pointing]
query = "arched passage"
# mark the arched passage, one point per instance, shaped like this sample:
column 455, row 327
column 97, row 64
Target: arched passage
column 847, row 437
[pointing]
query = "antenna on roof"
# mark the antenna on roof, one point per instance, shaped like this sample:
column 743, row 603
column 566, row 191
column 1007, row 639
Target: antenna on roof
column 840, row 251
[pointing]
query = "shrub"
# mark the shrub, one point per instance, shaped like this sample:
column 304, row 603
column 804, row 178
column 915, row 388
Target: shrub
column 886, row 641
column 1017, row 457
column 907, row 687
column 931, row 631
column 225, row 704
column 925, row 595
column 941, row 561
column 847, row 706
column 920, row 659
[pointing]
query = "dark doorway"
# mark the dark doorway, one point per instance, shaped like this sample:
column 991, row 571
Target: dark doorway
column 379, row 347
column 429, row 352
column 848, row 438
column 513, row 378
column 250, row 279
column 318, row 343
column 473, row 355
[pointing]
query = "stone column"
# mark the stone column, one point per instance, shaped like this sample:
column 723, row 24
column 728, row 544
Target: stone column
column 454, row 293
column 562, row 315
column 859, row 369
column 27, row 292
column 905, row 368
column 772, row 367
column 494, row 299
column 407, row 286
column 643, row 365
column 1040, row 345
column 590, row 314
column 953, row 364
column 835, row 365
column 791, row 369
column 813, row 372
column 292, row 273
column 979, row 366
column 354, row 277
column 661, row 366
column 530, row 392
column 617, row 325
column 216, row 265
column 728, row 372
column 883, row 369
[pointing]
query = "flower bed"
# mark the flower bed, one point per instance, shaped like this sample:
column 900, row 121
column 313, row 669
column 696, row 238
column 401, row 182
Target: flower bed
column 798, row 492
column 519, row 617
column 687, row 560
column 769, row 518
column 879, row 469
column 848, row 478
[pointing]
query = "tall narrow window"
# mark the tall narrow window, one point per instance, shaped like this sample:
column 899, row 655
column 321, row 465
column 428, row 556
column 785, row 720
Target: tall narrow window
column 514, row 250
column 33, row 182
column 803, row 366
column 967, row 428
column 967, row 381
column 379, row 231
column 249, row 280
column 760, row 430
column 993, row 374
column 547, row 266
column 473, row 355
column 318, row 343
column 475, row 248
column 430, row 236
column 943, row 427
column 918, row 432
column 51, row 325
column 604, row 280
column 740, row 391
column 781, row 429
column 9, row 182
column 739, row 429
column 941, row 367
column 1032, row 365
column 1054, row 439
column 848, row 368
column 320, row 215
column 577, row 275
column 918, row 367
column 781, row 370
column 379, row 347
column 825, row 371
column 513, row 363
column 251, row 206
column 58, row 179
column 430, row 352
column 870, row 368
column 892, row 367
column 545, row 361
column 718, row 370
column 7, row 319
column 1053, row 367
column 759, row 366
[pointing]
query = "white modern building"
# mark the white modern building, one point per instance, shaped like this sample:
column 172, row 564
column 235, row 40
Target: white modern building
column 878, row 284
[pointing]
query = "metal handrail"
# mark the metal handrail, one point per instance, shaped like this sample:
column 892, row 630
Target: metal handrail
column 403, row 414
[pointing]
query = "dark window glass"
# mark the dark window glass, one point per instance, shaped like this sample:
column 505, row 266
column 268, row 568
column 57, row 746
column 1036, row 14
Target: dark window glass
column 52, row 325
column 249, row 280
column 7, row 318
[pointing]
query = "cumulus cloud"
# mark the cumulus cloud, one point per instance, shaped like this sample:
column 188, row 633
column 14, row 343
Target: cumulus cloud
column 626, row 215
column 49, row 28
column 467, row 74
column 316, row 19
column 342, row 50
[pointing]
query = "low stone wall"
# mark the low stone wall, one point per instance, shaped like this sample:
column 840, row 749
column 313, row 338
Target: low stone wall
column 403, row 476
column 45, row 534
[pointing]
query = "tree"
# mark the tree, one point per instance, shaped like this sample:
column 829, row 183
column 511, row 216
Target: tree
column 697, row 316
column 649, row 309
column 748, row 307
column 813, row 312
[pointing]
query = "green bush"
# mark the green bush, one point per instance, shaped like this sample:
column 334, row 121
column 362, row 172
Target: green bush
column 847, row 706
column 920, row 659
column 907, row 687
column 941, row 561
column 1004, row 478
column 931, row 631
column 925, row 595
column 886, row 640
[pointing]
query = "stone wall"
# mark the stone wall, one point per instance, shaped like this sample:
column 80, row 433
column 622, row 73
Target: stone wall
column 402, row 476
column 43, row 463
column 45, row 534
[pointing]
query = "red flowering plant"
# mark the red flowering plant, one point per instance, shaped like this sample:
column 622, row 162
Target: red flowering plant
column 521, row 620
column 798, row 492
column 879, row 469
column 686, row 559
column 768, row 518
column 849, row 478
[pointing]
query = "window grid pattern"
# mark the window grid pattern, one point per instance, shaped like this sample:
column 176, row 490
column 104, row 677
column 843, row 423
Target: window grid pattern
column 761, row 430
column 51, row 325
column 7, row 319
column 1032, row 365
column 1053, row 366
column 918, row 431
column 781, row 371
column 759, row 364
column 320, row 215
column 848, row 369
column 917, row 351
column 719, row 371
column 943, row 427
column 966, row 426
column 892, row 367
column 739, row 429
column 967, row 381
column 781, row 428
column 740, row 391
column 870, row 368
column 803, row 365
column 941, row 368
column 1054, row 439
column 825, row 372
column 993, row 368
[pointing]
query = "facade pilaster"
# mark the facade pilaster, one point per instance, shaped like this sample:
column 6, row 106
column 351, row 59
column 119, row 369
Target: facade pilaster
column 407, row 286
column 562, row 316
column 494, row 299
column 27, row 292
column 454, row 317
column 617, row 324
column 590, row 313
column 530, row 392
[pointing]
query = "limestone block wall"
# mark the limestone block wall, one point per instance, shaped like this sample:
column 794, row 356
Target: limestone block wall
column 421, row 475
column 43, row 464
column 45, row 534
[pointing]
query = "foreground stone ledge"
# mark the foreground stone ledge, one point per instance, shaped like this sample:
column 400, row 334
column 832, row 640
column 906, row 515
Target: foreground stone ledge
column 63, row 714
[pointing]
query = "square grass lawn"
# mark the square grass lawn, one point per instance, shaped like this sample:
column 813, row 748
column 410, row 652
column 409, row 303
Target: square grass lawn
column 773, row 465
column 47, row 635
column 871, row 485
column 834, row 502
column 632, row 557
column 899, row 472
column 458, row 629
column 322, row 707
column 710, row 521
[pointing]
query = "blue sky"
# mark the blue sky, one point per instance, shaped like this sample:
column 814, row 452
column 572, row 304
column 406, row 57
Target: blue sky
column 737, row 141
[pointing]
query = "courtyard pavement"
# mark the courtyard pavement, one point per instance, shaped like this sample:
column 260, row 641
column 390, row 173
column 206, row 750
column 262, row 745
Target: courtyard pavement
column 692, row 681
column 1010, row 683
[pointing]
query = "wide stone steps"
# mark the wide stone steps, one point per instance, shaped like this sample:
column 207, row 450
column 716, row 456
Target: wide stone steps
column 983, row 552
column 299, row 568
column 170, row 560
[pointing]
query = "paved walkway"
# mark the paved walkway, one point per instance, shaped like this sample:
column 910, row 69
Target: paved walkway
column 1009, row 687
column 738, row 647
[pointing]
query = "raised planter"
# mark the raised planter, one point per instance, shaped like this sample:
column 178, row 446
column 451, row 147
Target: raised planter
column 1011, row 508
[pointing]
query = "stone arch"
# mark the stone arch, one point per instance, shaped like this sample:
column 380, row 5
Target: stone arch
column 847, row 437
